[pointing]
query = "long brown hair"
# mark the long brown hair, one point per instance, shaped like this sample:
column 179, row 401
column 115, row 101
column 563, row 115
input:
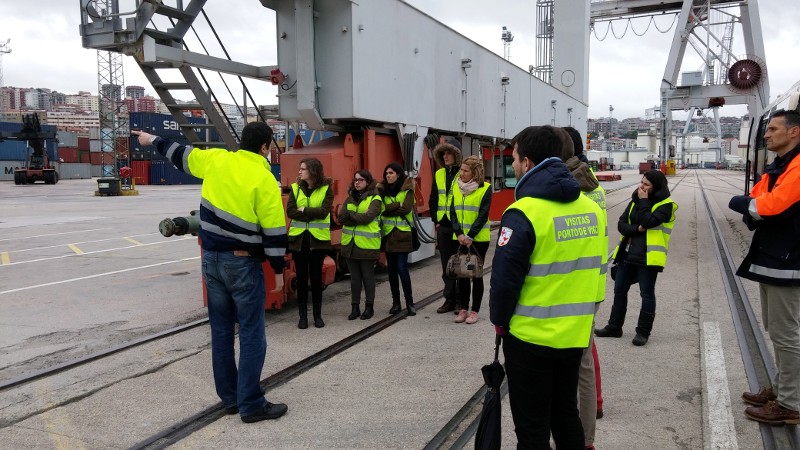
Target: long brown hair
column 315, row 171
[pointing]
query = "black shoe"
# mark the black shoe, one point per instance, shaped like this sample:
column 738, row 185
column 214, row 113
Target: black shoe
column 269, row 412
column 303, row 323
column 608, row 331
column 412, row 310
column 354, row 312
column 368, row 312
column 639, row 340
column 396, row 308
column 232, row 409
column 599, row 414
column 318, row 322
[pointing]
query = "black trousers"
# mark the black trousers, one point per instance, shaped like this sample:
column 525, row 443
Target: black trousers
column 447, row 248
column 309, row 263
column 543, row 394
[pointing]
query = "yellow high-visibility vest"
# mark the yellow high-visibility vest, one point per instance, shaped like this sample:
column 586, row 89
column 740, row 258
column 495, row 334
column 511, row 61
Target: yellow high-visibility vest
column 467, row 209
column 367, row 236
column 656, row 239
column 557, row 301
column 319, row 228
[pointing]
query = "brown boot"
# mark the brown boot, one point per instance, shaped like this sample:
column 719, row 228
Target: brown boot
column 773, row 414
column 446, row 307
column 759, row 398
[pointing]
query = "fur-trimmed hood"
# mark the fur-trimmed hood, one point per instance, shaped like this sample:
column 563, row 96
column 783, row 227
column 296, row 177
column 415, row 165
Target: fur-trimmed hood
column 438, row 153
column 304, row 185
column 409, row 183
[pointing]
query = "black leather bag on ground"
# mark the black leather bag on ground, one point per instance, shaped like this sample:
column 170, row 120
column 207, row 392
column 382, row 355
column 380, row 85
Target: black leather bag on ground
column 465, row 265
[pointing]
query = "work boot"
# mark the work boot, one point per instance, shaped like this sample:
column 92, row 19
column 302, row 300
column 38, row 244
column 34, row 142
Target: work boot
column 396, row 308
column 773, row 414
column 615, row 322
column 316, row 308
column 643, row 328
column 761, row 397
column 368, row 312
column 354, row 312
column 302, row 307
column 412, row 310
column 269, row 412
column 446, row 307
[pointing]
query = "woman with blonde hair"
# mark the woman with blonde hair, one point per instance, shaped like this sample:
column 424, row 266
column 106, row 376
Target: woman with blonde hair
column 469, row 214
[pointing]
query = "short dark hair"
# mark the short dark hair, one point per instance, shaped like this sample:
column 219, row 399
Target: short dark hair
column 537, row 143
column 254, row 135
column 577, row 141
column 791, row 117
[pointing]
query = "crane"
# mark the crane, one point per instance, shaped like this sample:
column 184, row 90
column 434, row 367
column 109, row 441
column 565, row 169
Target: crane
column 4, row 49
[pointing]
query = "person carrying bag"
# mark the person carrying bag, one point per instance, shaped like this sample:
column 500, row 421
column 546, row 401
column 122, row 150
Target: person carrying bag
column 469, row 214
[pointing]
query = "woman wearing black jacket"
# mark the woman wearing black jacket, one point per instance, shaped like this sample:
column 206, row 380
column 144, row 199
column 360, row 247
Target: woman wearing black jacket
column 645, row 227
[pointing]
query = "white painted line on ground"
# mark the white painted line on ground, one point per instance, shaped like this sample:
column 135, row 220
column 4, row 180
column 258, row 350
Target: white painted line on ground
column 722, row 433
column 52, row 234
column 53, row 283
column 83, row 242
column 132, row 240
column 75, row 249
column 98, row 251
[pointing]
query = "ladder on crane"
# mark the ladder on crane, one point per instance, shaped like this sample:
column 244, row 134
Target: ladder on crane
column 164, row 52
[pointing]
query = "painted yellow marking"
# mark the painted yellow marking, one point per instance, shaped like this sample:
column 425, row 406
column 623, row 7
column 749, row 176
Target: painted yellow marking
column 4, row 259
column 133, row 241
column 75, row 249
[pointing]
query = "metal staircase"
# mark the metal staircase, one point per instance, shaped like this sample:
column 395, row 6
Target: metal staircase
column 164, row 55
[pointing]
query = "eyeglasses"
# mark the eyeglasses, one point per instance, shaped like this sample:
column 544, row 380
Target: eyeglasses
column 303, row 169
column 358, row 180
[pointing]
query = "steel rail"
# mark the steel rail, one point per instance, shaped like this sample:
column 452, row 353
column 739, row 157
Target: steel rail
column 98, row 355
column 176, row 432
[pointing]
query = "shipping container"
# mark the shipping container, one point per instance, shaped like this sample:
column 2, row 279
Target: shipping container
column 163, row 125
column 13, row 151
column 7, row 169
column 140, row 172
column 70, row 171
column 68, row 154
column 67, row 139
column 163, row 172
column 83, row 144
column 101, row 158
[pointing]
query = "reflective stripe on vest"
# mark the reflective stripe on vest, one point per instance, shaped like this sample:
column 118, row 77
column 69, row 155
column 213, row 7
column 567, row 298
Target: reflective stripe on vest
column 445, row 197
column 656, row 238
column 319, row 228
column 467, row 209
column 399, row 222
column 367, row 236
column 557, row 301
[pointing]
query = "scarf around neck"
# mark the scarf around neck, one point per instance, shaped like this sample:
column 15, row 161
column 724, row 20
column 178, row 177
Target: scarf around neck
column 467, row 188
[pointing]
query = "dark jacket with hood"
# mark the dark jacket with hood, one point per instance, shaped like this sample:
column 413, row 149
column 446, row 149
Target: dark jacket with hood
column 633, row 249
column 397, row 241
column 451, row 172
column 351, row 218
column 550, row 180
column 305, row 240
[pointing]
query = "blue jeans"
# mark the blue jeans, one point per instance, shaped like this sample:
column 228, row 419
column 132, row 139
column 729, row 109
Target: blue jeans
column 627, row 275
column 236, row 292
column 397, row 266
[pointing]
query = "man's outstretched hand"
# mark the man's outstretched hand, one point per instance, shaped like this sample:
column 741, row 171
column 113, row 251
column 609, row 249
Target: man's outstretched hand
column 145, row 138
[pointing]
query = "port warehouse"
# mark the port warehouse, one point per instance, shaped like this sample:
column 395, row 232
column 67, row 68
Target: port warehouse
column 77, row 157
